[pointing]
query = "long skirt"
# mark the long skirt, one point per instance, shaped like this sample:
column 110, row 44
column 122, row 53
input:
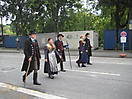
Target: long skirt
column 51, row 65
column 83, row 58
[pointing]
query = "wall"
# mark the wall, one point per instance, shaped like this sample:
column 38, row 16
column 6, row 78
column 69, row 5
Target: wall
column 110, row 39
column 74, row 37
column 10, row 42
column 43, row 37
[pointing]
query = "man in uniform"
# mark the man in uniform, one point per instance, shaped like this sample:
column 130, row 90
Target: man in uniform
column 32, row 55
column 60, row 48
column 88, row 47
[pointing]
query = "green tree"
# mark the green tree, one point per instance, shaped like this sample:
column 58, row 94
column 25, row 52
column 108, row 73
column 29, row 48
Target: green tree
column 118, row 11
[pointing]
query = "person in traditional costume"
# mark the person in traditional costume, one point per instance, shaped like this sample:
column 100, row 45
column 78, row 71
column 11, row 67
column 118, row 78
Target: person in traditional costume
column 88, row 47
column 60, row 48
column 50, row 65
column 83, row 55
column 32, row 55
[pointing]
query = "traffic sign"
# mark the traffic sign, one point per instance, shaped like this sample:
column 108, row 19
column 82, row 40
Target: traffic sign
column 123, row 34
column 123, row 39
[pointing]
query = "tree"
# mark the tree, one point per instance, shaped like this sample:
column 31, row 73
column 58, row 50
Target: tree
column 3, row 13
column 22, row 15
column 57, row 9
column 118, row 13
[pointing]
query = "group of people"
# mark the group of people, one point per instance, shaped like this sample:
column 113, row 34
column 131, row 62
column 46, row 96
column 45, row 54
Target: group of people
column 54, row 54
column 84, row 50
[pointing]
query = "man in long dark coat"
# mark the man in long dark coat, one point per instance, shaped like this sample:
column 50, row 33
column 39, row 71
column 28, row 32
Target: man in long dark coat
column 32, row 55
column 60, row 48
column 88, row 47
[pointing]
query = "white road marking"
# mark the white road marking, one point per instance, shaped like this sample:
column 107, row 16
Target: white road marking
column 103, row 73
column 30, row 92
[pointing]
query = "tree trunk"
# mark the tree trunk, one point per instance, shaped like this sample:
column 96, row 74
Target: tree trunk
column 130, row 38
column 57, row 26
column 56, row 20
column 16, row 29
column 2, row 31
column 22, row 28
column 84, row 21
column 117, row 24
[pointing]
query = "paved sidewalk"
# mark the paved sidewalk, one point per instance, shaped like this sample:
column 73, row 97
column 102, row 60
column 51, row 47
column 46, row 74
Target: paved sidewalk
column 96, row 53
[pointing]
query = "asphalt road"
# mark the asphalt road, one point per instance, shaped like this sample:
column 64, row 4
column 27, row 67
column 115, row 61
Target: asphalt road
column 107, row 78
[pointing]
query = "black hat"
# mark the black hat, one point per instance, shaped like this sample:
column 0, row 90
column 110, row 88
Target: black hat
column 87, row 34
column 60, row 35
column 32, row 32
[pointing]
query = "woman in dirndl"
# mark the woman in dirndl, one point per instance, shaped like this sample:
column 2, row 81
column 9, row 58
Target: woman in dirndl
column 83, row 55
column 50, row 65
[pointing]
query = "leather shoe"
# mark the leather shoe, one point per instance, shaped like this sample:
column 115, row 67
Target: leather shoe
column 83, row 66
column 36, row 83
column 23, row 79
column 63, row 70
column 51, row 76
column 78, row 64
column 89, row 63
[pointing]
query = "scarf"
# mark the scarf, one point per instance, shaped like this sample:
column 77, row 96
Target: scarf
column 51, row 47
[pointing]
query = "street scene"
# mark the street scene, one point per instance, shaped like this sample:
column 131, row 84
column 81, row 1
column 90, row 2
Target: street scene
column 65, row 49
column 107, row 78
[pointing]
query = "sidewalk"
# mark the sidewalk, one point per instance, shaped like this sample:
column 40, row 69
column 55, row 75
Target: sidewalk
column 96, row 53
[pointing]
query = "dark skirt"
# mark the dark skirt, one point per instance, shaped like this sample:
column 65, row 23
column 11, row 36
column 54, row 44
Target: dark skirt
column 83, row 58
column 50, row 67
column 47, row 69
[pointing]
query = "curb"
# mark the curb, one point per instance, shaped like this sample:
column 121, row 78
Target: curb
column 67, row 54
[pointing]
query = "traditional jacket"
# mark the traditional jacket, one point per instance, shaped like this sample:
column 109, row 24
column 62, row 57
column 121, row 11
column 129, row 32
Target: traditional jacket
column 81, row 44
column 88, row 46
column 31, row 49
column 61, row 48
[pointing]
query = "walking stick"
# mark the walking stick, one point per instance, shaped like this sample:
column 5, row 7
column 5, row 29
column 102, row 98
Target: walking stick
column 69, row 56
column 27, row 72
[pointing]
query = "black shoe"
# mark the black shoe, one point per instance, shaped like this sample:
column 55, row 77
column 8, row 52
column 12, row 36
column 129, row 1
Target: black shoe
column 78, row 64
column 83, row 66
column 36, row 83
column 35, row 79
column 51, row 76
column 89, row 63
column 63, row 70
column 23, row 78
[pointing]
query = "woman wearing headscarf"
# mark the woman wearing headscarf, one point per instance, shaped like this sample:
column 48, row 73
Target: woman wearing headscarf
column 50, row 65
column 83, row 55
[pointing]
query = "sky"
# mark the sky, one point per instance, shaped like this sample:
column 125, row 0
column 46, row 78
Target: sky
column 5, row 22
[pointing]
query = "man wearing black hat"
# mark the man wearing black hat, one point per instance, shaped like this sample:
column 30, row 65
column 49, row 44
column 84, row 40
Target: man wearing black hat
column 60, row 48
column 32, row 55
column 88, row 47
